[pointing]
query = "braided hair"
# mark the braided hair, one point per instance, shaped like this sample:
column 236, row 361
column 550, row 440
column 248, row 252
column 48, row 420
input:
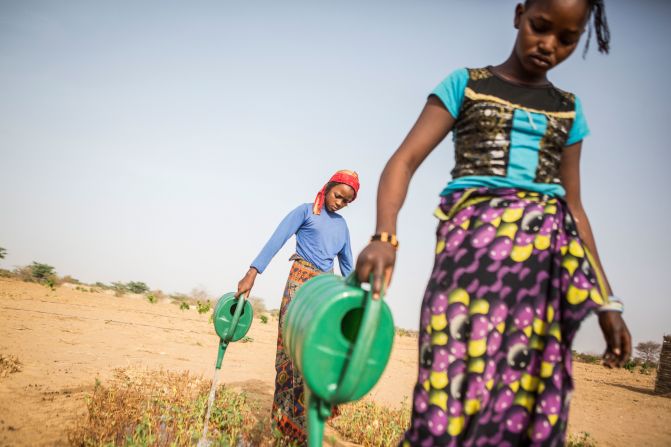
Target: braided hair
column 597, row 12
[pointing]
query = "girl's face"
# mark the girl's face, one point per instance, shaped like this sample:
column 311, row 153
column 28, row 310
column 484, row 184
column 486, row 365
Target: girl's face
column 338, row 197
column 549, row 31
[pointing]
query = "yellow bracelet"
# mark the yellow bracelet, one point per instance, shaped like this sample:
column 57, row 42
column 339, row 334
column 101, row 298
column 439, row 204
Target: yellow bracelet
column 386, row 237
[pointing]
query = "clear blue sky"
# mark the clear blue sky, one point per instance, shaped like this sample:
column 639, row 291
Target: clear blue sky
column 162, row 141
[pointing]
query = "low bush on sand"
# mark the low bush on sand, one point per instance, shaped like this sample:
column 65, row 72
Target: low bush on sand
column 582, row 357
column 367, row 423
column 582, row 439
column 164, row 408
column 9, row 364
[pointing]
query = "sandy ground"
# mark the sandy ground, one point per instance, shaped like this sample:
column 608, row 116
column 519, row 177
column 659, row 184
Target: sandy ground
column 66, row 338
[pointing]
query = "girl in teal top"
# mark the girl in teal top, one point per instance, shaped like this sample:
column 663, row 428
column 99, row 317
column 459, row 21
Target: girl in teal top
column 516, row 268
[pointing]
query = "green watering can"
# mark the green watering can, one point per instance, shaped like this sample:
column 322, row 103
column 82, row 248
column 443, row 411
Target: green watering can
column 340, row 339
column 232, row 320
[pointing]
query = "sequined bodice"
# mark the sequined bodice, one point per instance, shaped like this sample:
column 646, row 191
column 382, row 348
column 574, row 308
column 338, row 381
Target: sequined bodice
column 486, row 127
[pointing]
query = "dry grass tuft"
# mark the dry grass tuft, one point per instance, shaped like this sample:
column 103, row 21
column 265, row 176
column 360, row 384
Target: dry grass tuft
column 164, row 408
column 369, row 424
column 582, row 439
column 9, row 364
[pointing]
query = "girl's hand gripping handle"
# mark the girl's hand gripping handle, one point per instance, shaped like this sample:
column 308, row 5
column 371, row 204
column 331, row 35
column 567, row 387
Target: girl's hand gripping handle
column 246, row 283
column 376, row 260
column 618, row 339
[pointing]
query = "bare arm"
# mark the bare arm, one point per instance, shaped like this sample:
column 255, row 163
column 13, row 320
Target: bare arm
column 570, row 177
column 433, row 124
column 618, row 339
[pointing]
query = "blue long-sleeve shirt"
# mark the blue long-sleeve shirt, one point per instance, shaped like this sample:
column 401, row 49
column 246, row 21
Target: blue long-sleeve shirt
column 319, row 239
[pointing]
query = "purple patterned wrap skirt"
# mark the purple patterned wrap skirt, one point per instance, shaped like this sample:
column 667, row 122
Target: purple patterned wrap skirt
column 511, row 283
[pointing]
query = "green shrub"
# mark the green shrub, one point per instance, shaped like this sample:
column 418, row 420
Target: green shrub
column 184, row 305
column 152, row 298
column 203, row 307
column 50, row 284
column 137, row 287
column 264, row 319
column 42, row 271
column 630, row 365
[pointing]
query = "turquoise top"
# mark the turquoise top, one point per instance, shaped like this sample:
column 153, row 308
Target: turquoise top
column 508, row 135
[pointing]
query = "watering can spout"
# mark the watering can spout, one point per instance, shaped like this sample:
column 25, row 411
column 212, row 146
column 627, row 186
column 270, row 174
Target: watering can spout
column 222, row 350
column 318, row 412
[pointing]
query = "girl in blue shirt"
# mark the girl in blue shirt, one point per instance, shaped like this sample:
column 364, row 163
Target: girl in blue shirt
column 321, row 236
column 516, row 268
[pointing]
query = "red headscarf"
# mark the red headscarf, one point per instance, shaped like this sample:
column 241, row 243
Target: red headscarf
column 345, row 177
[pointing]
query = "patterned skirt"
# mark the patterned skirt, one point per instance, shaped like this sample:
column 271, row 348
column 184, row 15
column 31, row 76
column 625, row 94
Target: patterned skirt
column 511, row 283
column 289, row 402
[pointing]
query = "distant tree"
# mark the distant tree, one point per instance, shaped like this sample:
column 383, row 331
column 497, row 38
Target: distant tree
column 258, row 305
column 178, row 297
column 158, row 294
column 3, row 253
column 137, row 287
column 24, row 273
column 119, row 288
column 42, row 272
column 199, row 294
column 649, row 351
column 70, row 279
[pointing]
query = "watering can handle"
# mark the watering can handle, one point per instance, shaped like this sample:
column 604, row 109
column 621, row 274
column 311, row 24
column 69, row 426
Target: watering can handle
column 236, row 317
column 363, row 344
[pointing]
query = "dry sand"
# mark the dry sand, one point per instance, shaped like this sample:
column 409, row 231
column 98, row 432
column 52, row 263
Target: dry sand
column 66, row 338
